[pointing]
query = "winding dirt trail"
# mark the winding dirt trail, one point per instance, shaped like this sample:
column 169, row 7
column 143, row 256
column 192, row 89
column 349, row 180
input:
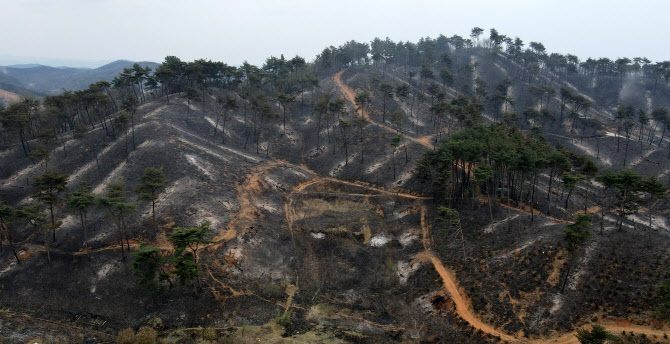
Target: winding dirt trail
column 462, row 304
column 350, row 95
column 249, row 212
column 425, row 141
column 463, row 308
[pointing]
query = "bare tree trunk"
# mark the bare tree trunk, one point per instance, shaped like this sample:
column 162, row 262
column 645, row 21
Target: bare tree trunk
column 126, row 141
column 46, row 246
column 532, row 197
column 567, row 199
column 153, row 210
column 509, row 208
column 82, row 218
column 125, row 233
column 649, row 230
column 625, row 155
column 588, row 191
column 393, row 160
column 662, row 135
column 9, row 240
column 567, row 273
column 53, row 222
column 216, row 125
column 346, row 150
column 123, row 254
column 361, row 141
column 405, row 147
column 132, row 124
column 621, row 210
column 488, row 195
column 602, row 219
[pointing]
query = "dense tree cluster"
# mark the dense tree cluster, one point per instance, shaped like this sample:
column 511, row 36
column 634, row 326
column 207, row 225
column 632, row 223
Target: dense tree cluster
column 503, row 163
column 498, row 159
column 155, row 266
column 534, row 58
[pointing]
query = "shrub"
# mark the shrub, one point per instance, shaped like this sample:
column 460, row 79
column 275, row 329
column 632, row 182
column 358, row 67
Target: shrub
column 80, row 129
column 209, row 334
column 126, row 336
column 156, row 323
column 272, row 290
column 146, row 335
column 283, row 319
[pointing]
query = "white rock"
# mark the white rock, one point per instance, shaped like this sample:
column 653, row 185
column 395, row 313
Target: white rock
column 379, row 240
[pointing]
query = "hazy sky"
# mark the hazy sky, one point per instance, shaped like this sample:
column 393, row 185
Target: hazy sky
column 234, row 31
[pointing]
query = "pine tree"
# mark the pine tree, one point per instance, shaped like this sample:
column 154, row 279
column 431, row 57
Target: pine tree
column 575, row 235
column 191, row 94
column 655, row 191
column 7, row 214
column 361, row 122
column 395, row 142
column 48, row 188
column 227, row 104
column 79, row 202
column 344, row 126
column 589, row 169
column 40, row 153
column 186, row 262
column 121, row 123
column 148, row 263
column 113, row 202
column 570, row 181
column 597, row 335
column 627, row 182
column 285, row 100
column 151, row 182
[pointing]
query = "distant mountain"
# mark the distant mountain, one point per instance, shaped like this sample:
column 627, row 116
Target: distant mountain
column 25, row 65
column 12, row 61
column 42, row 80
column 10, row 87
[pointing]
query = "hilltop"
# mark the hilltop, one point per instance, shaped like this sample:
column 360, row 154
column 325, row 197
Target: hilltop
column 385, row 192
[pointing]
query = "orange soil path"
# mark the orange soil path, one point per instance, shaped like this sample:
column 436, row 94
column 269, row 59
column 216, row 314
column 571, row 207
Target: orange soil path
column 463, row 309
column 460, row 301
column 462, row 304
column 350, row 95
column 449, row 281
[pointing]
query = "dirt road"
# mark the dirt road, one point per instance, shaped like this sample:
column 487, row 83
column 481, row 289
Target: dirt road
column 350, row 95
